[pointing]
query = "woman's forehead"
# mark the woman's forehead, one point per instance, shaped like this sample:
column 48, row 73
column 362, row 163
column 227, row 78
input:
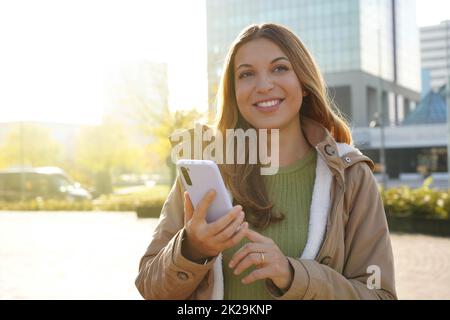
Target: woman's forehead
column 258, row 51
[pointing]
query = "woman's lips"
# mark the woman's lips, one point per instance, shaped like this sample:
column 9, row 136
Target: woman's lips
column 269, row 108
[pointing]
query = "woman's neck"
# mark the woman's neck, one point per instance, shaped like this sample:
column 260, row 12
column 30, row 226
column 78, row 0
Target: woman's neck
column 293, row 144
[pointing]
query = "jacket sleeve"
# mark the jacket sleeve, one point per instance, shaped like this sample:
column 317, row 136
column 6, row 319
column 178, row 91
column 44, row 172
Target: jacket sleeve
column 367, row 245
column 163, row 271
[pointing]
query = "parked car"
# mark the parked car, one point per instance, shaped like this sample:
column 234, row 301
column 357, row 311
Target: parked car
column 43, row 182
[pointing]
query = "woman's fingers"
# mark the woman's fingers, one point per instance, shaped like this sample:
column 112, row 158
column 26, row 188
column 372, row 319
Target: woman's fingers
column 202, row 207
column 256, row 237
column 220, row 225
column 231, row 228
column 252, row 259
column 239, row 235
column 258, row 274
column 246, row 250
column 188, row 208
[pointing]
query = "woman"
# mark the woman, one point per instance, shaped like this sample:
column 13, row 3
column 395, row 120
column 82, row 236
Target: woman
column 314, row 230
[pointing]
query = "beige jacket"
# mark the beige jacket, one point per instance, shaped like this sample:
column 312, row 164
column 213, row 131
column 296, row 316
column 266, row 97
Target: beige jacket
column 348, row 246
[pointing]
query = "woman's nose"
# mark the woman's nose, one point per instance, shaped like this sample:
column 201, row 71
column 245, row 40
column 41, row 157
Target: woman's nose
column 264, row 84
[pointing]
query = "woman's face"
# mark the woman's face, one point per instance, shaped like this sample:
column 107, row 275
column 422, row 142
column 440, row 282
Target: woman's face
column 268, row 92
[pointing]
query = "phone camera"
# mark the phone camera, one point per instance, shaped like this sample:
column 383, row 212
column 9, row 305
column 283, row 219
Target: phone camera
column 185, row 173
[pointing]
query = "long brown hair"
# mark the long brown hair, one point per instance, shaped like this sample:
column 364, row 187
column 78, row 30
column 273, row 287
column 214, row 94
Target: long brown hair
column 245, row 181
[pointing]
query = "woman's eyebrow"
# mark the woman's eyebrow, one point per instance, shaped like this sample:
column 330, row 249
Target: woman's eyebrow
column 272, row 62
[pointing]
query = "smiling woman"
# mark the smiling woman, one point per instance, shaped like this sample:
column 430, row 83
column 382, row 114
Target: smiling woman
column 315, row 229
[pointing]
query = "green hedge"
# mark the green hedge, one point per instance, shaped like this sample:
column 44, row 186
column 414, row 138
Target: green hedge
column 127, row 203
column 105, row 204
column 47, row 205
column 421, row 202
column 153, row 198
column 400, row 201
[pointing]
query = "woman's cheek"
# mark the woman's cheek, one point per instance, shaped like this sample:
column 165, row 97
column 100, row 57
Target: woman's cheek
column 242, row 96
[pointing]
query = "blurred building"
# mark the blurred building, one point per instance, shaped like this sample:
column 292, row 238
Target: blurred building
column 426, row 82
column 369, row 53
column 435, row 51
column 419, row 144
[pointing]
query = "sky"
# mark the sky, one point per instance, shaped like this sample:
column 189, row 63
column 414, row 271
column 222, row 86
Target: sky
column 430, row 12
column 58, row 58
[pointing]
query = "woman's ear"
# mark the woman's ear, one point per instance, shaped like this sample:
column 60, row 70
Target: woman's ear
column 305, row 91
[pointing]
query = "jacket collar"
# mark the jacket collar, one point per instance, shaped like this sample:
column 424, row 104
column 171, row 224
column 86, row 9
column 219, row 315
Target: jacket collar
column 338, row 156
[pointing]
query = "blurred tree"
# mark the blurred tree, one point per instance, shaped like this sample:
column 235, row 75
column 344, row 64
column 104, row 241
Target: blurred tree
column 142, row 99
column 168, row 124
column 30, row 145
column 107, row 150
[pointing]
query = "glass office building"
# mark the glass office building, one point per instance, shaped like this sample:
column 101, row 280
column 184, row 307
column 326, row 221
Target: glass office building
column 366, row 49
column 435, row 48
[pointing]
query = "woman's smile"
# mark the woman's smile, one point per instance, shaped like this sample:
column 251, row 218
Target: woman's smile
column 268, row 105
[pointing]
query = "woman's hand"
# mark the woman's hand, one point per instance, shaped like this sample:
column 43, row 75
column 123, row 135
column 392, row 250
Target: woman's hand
column 271, row 263
column 205, row 240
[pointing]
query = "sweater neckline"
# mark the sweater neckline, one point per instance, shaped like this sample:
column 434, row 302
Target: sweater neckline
column 299, row 164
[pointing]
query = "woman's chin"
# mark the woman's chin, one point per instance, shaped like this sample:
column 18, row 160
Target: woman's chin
column 268, row 125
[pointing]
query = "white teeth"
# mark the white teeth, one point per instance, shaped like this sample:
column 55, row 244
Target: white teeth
column 267, row 104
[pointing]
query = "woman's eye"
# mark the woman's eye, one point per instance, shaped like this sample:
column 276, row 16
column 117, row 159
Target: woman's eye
column 280, row 68
column 245, row 74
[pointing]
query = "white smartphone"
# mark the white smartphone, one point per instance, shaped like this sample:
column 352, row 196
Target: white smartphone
column 198, row 177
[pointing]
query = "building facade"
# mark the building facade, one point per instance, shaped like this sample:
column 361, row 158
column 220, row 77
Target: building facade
column 368, row 50
column 435, row 53
column 369, row 54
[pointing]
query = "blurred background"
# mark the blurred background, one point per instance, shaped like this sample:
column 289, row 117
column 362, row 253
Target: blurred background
column 91, row 90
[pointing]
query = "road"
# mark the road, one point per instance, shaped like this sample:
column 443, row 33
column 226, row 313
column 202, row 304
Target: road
column 95, row 255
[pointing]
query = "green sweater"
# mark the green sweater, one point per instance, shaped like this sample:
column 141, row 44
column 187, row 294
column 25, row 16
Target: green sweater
column 291, row 192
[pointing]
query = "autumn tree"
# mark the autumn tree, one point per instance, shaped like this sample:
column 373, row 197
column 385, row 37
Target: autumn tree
column 106, row 150
column 30, row 145
column 142, row 99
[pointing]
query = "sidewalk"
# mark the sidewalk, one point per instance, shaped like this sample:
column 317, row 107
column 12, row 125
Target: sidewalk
column 422, row 266
column 89, row 255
